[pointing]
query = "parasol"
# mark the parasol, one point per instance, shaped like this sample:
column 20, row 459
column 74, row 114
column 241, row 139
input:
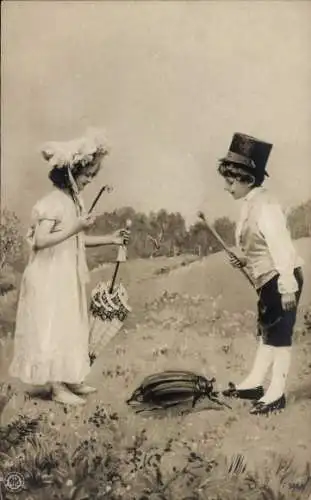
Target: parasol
column 109, row 304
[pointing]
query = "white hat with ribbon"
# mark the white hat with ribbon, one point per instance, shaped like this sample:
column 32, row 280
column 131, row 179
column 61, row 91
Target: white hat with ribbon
column 81, row 150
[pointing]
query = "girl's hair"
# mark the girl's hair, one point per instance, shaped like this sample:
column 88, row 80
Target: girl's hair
column 240, row 173
column 60, row 178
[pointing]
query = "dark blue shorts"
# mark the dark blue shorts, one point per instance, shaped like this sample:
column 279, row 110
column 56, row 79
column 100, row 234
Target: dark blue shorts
column 274, row 324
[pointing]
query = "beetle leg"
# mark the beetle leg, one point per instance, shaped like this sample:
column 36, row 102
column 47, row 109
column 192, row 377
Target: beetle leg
column 215, row 400
column 148, row 409
column 196, row 399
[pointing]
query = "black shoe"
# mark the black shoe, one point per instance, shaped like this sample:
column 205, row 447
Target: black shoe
column 253, row 394
column 262, row 408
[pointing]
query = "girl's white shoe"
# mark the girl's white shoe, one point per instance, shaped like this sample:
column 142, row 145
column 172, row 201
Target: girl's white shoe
column 61, row 394
column 81, row 389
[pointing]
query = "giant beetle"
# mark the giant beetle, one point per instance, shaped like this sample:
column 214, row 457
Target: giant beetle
column 172, row 388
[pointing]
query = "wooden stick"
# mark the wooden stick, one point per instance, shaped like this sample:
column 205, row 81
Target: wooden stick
column 104, row 188
column 224, row 246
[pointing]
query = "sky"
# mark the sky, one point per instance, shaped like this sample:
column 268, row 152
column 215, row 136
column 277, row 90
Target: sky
column 170, row 82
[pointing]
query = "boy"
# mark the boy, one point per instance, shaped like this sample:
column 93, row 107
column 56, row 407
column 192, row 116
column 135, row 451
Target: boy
column 268, row 254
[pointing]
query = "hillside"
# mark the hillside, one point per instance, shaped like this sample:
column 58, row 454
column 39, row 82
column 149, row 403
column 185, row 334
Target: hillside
column 197, row 316
column 210, row 275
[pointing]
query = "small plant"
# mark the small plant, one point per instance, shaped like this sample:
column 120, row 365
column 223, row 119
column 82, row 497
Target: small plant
column 16, row 432
column 307, row 320
column 5, row 395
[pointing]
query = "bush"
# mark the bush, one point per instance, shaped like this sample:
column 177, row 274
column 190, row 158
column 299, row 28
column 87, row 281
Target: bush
column 8, row 306
column 8, row 280
column 299, row 220
column 11, row 241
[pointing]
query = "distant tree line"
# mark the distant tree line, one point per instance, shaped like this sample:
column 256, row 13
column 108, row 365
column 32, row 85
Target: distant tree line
column 165, row 233
column 156, row 234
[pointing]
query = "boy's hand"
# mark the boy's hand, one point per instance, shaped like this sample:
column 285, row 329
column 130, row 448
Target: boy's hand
column 237, row 261
column 288, row 301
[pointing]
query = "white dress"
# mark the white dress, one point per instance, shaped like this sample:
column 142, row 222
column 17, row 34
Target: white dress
column 52, row 328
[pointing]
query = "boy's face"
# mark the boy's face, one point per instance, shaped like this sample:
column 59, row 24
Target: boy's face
column 236, row 188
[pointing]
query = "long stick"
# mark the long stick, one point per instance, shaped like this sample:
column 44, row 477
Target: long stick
column 224, row 246
column 104, row 188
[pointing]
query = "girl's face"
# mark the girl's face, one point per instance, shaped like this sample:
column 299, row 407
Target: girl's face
column 237, row 188
column 87, row 175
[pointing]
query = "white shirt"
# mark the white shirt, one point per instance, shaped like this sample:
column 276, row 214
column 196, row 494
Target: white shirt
column 263, row 237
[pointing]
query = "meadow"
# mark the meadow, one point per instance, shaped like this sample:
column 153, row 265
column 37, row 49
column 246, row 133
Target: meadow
column 187, row 313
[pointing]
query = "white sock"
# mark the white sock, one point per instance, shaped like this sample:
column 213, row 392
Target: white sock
column 262, row 362
column 281, row 364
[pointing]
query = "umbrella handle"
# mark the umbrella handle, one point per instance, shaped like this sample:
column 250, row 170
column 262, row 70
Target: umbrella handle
column 121, row 258
column 114, row 277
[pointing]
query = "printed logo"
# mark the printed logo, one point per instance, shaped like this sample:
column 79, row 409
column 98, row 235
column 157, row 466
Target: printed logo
column 14, row 482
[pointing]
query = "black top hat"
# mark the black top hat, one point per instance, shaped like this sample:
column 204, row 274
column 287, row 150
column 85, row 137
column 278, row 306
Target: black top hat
column 248, row 152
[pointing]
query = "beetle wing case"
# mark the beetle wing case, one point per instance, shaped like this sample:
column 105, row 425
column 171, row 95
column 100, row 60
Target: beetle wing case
column 172, row 387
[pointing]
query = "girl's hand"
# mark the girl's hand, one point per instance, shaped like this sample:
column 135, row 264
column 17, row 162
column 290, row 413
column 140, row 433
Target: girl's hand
column 121, row 237
column 237, row 261
column 288, row 301
column 85, row 222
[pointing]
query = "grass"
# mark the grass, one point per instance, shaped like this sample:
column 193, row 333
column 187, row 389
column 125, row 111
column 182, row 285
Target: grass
column 100, row 466
column 197, row 317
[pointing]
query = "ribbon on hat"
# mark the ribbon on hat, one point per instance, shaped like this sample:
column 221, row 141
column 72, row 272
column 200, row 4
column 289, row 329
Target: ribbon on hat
column 237, row 158
column 76, row 193
column 80, row 208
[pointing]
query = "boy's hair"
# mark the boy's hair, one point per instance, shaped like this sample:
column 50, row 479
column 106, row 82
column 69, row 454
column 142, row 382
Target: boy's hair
column 241, row 173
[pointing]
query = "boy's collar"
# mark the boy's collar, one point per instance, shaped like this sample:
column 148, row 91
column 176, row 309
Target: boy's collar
column 250, row 195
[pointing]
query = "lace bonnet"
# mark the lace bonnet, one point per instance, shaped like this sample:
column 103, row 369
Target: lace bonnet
column 81, row 150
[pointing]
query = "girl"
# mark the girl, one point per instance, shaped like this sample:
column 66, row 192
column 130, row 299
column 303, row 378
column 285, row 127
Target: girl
column 269, row 256
column 52, row 329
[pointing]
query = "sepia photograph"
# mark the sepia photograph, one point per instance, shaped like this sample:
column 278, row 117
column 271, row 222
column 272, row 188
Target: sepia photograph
column 155, row 256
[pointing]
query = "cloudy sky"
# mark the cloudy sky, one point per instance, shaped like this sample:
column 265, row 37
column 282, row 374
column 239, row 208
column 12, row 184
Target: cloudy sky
column 170, row 82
